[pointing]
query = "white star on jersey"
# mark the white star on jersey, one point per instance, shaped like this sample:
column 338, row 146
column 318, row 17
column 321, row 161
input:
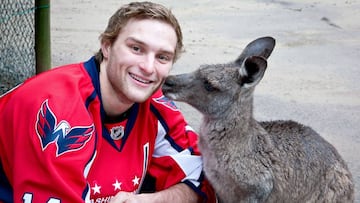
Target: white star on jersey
column 117, row 185
column 96, row 189
column 136, row 180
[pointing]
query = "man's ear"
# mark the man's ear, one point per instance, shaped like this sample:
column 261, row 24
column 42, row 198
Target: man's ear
column 105, row 47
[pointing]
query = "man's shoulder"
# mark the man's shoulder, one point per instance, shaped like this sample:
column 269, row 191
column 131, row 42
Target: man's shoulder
column 57, row 83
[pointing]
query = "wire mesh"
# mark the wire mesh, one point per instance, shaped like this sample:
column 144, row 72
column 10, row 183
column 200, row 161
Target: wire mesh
column 17, row 42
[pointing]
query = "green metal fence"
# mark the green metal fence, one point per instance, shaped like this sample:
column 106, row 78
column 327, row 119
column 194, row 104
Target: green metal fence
column 18, row 42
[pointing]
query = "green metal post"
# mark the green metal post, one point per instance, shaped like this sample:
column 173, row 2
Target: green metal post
column 42, row 35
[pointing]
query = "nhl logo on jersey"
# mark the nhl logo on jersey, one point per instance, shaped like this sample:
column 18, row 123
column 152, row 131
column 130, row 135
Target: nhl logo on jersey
column 117, row 132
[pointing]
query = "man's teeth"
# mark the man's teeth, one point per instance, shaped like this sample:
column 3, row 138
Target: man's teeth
column 139, row 79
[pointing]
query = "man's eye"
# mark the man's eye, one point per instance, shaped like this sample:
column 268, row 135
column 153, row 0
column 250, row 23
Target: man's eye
column 164, row 57
column 136, row 48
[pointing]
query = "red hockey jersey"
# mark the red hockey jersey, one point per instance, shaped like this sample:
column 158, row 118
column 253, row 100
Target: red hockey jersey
column 57, row 144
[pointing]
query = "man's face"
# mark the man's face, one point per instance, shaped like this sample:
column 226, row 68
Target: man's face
column 140, row 59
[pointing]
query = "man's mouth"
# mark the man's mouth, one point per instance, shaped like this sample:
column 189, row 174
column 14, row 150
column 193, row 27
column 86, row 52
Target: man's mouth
column 137, row 78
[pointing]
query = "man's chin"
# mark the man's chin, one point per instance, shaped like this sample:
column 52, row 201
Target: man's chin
column 142, row 97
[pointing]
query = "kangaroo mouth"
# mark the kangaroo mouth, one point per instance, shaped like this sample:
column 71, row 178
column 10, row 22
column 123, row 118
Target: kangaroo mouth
column 168, row 91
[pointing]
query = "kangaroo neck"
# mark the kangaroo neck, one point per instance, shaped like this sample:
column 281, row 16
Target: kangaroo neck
column 239, row 117
column 239, row 111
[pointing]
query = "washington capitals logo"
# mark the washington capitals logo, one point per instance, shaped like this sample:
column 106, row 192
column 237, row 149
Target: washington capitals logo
column 167, row 102
column 66, row 138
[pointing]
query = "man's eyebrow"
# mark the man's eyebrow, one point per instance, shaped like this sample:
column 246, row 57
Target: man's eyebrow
column 135, row 40
column 138, row 41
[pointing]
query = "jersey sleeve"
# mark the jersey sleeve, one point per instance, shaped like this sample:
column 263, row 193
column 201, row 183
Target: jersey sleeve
column 176, row 156
column 43, row 151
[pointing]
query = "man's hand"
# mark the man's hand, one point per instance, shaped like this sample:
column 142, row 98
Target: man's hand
column 127, row 197
column 179, row 193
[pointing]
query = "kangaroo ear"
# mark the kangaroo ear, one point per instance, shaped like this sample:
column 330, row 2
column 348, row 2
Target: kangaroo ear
column 260, row 47
column 252, row 71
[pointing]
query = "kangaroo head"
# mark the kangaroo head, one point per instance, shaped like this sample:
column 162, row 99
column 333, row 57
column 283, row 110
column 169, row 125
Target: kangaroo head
column 211, row 89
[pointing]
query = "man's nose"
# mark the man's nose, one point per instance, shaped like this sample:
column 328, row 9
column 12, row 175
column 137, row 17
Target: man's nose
column 148, row 65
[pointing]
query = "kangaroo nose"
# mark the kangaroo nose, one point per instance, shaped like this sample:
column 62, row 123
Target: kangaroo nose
column 169, row 85
column 169, row 81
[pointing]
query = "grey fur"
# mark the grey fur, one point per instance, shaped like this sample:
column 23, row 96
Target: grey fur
column 251, row 161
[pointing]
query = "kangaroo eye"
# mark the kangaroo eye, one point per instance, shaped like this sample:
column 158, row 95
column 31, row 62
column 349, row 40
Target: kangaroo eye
column 208, row 86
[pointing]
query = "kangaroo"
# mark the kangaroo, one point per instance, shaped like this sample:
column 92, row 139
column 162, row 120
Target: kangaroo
column 250, row 161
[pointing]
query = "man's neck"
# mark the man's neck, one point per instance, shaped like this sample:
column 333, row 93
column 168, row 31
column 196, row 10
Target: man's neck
column 113, row 103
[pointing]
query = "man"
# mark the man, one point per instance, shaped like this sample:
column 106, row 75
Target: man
column 101, row 130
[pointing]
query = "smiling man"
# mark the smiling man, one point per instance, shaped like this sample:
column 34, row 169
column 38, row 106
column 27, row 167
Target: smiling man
column 101, row 130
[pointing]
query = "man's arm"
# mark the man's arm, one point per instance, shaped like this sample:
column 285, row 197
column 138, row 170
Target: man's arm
column 178, row 193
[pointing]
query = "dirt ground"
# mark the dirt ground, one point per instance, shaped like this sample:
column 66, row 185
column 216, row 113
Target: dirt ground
column 313, row 74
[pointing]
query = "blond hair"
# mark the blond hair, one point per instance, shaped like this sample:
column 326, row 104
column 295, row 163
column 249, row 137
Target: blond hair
column 140, row 10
